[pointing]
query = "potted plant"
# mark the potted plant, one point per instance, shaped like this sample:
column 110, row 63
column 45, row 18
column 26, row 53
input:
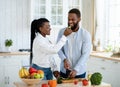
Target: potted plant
column 8, row 44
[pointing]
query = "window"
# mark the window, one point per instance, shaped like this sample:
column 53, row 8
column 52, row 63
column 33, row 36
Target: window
column 38, row 8
column 54, row 10
column 57, row 12
column 113, row 21
column 108, row 22
column 74, row 4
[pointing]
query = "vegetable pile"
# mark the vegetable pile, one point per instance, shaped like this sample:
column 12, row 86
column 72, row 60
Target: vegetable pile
column 59, row 79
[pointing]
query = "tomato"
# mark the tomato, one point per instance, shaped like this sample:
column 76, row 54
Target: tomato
column 75, row 82
column 84, row 82
column 44, row 85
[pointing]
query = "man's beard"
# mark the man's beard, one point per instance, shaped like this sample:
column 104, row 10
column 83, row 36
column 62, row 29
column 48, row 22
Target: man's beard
column 74, row 27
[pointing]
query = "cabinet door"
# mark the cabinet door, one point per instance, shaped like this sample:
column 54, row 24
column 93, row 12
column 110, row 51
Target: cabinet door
column 12, row 75
column 2, row 78
column 114, row 74
column 10, row 72
column 109, row 69
column 92, row 65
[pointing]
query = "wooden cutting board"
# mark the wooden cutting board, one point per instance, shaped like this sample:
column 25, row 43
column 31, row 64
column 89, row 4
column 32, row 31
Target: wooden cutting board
column 71, row 80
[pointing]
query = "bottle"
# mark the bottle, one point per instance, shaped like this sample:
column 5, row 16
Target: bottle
column 99, row 48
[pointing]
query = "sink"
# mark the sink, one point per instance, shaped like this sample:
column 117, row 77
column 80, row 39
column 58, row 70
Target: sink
column 116, row 55
column 24, row 50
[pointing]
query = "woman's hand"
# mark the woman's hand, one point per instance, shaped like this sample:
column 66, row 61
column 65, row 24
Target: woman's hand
column 56, row 74
column 67, row 31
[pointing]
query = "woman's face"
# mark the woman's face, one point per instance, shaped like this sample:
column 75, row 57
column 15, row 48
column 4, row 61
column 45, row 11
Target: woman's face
column 45, row 29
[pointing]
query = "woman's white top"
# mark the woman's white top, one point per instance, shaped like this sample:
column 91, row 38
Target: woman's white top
column 45, row 53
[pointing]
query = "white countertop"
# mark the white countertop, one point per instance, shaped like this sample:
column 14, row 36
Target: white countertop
column 104, row 55
column 13, row 53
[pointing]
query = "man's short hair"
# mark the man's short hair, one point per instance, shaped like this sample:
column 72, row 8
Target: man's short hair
column 76, row 11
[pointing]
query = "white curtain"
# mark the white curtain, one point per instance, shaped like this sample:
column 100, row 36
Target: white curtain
column 99, row 32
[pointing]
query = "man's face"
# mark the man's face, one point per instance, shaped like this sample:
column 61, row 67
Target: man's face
column 73, row 20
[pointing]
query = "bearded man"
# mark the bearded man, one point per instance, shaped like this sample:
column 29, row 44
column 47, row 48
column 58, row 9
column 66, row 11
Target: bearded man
column 75, row 53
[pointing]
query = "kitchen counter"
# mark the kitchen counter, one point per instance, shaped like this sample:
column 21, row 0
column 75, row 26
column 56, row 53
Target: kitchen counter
column 13, row 53
column 21, row 84
column 104, row 55
column 108, row 66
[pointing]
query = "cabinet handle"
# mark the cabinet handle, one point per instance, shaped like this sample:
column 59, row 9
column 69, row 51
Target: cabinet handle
column 5, row 80
column 8, row 80
column 103, row 59
column 103, row 68
column 6, row 56
column 115, row 62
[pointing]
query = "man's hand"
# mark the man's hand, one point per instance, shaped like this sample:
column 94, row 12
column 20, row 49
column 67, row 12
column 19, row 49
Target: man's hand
column 66, row 64
column 72, row 74
column 56, row 74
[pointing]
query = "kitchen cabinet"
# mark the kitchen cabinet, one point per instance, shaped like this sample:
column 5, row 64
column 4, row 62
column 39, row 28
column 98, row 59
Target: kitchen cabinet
column 9, row 68
column 108, row 68
column 1, row 76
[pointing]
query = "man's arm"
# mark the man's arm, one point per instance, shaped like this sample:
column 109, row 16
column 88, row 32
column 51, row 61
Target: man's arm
column 61, row 51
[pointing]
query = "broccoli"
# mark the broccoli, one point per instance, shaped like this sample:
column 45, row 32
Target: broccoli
column 59, row 80
column 96, row 78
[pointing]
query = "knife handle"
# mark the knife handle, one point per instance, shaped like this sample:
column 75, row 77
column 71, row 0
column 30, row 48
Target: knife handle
column 68, row 72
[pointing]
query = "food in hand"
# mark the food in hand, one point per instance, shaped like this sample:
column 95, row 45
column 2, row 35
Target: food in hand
column 96, row 78
column 23, row 73
column 69, row 27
